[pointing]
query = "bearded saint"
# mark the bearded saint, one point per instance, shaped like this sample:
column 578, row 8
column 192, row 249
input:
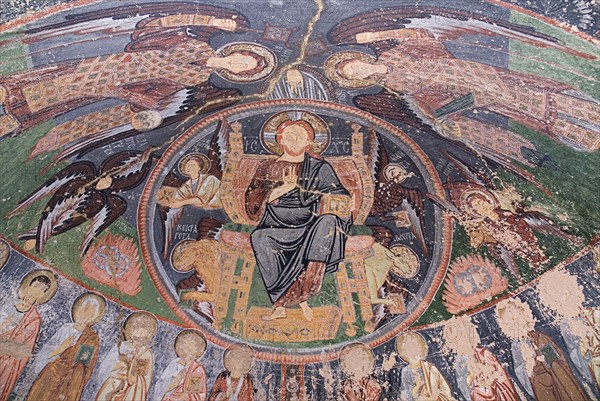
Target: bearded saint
column 294, row 244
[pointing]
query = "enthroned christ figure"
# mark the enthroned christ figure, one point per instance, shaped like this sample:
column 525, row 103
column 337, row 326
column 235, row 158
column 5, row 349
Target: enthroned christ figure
column 298, row 238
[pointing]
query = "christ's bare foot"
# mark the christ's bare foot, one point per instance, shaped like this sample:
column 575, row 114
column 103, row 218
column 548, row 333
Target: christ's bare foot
column 308, row 313
column 278, row 313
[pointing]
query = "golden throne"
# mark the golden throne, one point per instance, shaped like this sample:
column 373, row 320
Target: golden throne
column 238, row 261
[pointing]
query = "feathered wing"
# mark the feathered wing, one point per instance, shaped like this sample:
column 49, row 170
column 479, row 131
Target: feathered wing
column 393, row 288
column 469, row 173
column 377, row 158
column 133, row 164
column 443, row 204
column 66, row 210
column 500, row 252
column 393, row 106
column 412, row 204
column 196, row 100
column 204, row 309
column 380, row 312
column 138, row 18
column 399, row 108
column 209, row 228
column 128, row 169
column 84, row 145
column 82, row 171
column 147, row 37
column 441, row 24
column 392, row 196
column 113, row 208
column 219, row 148
column 175, row 109
column 542, row 223
column 382, row 235
column 396, row 107
column 485, row 179
column 169, row 217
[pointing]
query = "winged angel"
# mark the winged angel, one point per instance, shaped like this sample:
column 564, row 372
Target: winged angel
column 81, row 192
column 159, row 78
column 429, row 78
column 506, row 231
column 200, row 187
column 393, row 199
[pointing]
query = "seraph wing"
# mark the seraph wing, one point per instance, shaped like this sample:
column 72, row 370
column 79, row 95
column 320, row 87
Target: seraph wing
column 31, row 234
column 219, row 148
column 377, row 158
column 443, row 203
column 136, row 18
column 469, row 173
column 382, row 235
column 400, row 108
column 502, row 253
column 393, row 106
column 133, row 164
column 113, row 208
column 441, row 24
column 65, row 211
column 128, row 169
column 483, row 178
column 205, row 98
column 209, row 228
column 542, row 223
column 146, row 39
column 204, row 309
column 379, row 312
column 173, row 180
column 87, row 144
column 169, row 218
column 175, row 109
column 83, row 170
column 413, row 205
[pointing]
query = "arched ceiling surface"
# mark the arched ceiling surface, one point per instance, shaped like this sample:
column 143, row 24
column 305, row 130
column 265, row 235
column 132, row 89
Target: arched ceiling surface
column 331, row 200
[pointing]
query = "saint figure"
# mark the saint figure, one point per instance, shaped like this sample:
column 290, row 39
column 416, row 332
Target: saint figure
column 421, row 380
column 418, row 62
column 479, row 374
column 184, row 379
column 235, row 383
column 357, row 362
column 540, row 365
column 20, row 325
column 128, row 366
column 66, row 362
column 578, row 326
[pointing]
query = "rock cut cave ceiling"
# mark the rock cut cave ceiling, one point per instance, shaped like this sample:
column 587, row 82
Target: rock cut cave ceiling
column 310, row 200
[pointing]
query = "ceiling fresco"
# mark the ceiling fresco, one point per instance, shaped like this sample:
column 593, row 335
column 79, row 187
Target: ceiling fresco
column 299, row 200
